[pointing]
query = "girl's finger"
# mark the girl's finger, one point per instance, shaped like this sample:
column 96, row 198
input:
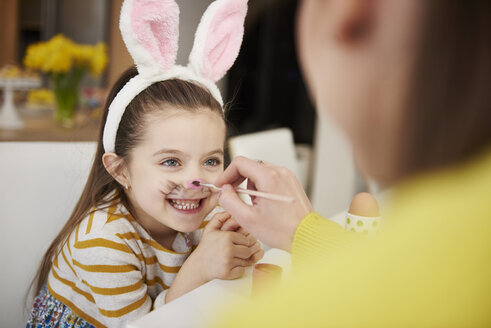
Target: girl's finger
column 236, row 272
column 243, row 231
column 217, row 221
column 256, row 257
column 244, row 252
column 240, row 239
column 240, row 262
column 231, row 225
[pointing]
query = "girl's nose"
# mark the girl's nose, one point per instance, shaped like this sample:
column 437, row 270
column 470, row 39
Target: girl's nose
column 194, row 184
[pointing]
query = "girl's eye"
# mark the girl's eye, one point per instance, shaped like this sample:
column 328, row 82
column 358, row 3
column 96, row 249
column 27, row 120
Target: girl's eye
column 170, row 162
column 212, row 162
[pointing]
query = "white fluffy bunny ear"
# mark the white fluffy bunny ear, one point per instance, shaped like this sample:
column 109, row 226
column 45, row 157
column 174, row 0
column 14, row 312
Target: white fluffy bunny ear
column 218, row 38
column 150, row 30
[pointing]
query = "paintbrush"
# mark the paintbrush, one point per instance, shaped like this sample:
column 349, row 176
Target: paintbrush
column 255, row 193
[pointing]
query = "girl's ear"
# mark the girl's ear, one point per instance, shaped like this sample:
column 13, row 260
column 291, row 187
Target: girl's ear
column 150, row 30
column 116, row 167
column 218, row 38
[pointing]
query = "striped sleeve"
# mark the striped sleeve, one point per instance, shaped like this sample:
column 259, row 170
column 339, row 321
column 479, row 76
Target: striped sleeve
column 113, row 273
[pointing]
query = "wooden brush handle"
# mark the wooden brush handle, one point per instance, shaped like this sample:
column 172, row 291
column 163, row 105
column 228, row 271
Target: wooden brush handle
column 265, row 195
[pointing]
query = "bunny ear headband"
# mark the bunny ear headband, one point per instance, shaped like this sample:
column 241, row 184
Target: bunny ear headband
column 150, row 30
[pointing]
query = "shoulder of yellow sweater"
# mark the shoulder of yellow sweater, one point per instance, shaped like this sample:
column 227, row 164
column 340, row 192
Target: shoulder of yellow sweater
column 433, row 255
column 461, row 191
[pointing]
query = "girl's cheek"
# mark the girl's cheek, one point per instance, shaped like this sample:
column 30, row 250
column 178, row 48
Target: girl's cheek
column 215, row 176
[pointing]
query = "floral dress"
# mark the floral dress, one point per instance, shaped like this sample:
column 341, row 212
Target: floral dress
column 48, row 312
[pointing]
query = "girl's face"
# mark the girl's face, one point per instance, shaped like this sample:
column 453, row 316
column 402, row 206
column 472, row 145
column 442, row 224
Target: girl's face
column 177, row 146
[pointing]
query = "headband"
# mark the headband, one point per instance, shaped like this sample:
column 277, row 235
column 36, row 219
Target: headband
column 150, row 30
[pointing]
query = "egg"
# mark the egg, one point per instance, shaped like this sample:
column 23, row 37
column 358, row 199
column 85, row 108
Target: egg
column 364, row 204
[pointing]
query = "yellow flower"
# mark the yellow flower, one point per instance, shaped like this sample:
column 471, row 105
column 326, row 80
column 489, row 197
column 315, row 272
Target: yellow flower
column 36, row 55
column 41, row 96
column 60, row 54
column 83, row 54
column 99, row 59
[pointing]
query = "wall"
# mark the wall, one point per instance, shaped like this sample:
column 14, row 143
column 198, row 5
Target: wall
column 8, row 31
column 40, row 183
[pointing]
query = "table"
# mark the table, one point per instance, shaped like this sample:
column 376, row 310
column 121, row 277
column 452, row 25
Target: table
column 194, row 308
column 42, row 127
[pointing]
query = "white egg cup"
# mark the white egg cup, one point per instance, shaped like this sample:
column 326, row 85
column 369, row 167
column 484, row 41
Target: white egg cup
column 361, row 224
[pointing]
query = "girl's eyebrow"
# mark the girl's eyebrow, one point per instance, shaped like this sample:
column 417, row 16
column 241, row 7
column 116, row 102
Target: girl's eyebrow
column 168, row 151
column 213, row 152
column 178, row 152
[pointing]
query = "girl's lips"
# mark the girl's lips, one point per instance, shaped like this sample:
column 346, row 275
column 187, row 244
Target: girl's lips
column 187, row 206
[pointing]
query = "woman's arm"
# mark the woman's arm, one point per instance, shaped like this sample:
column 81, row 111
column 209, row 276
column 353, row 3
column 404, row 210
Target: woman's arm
column 315, row 238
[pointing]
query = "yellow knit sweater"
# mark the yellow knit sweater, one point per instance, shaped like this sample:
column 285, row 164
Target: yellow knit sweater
column 430, row 265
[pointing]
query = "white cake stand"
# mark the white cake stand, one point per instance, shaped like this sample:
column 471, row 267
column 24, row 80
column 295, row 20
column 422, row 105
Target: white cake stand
column 9, row 119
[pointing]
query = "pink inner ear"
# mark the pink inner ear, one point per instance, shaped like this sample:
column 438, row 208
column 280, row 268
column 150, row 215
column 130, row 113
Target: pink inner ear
column 155, row 24
column 224, row 39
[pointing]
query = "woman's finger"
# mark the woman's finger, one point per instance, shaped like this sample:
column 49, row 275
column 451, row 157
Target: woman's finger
column 251, row 186
column 241, row 168
column 235, row 206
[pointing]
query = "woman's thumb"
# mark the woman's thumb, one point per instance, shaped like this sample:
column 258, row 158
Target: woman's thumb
column 231, row 202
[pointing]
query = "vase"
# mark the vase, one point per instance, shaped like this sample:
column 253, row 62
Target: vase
column 66, row 89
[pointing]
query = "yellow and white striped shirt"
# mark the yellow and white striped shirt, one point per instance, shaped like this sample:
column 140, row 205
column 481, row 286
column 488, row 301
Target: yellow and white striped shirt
column 110, row 271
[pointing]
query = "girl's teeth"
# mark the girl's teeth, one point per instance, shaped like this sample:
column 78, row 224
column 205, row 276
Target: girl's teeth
column 182, row 205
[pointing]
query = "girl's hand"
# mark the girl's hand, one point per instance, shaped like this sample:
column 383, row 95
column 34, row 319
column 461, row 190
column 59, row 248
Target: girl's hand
column 224, row 251
column 270, row 221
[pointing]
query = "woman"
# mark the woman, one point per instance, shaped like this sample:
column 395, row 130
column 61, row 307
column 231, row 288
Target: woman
column 409, row 82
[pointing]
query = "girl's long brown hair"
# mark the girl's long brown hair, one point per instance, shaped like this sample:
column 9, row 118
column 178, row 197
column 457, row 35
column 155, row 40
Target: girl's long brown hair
column 101, row 189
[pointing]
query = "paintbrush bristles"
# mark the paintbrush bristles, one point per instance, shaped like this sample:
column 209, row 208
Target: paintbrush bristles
column 210, row 185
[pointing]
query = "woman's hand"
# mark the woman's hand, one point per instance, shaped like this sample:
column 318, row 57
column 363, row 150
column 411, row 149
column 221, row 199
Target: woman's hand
column 223, row 252
column 272, row 222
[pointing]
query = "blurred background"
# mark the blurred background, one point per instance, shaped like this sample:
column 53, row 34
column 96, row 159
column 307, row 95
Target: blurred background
column 48, row 130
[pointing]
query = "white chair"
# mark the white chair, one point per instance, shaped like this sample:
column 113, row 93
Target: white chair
column 274, row 146
column 40, row 183
column 335, row 179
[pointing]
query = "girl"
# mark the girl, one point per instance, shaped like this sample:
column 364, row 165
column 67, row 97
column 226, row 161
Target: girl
column 131, row 242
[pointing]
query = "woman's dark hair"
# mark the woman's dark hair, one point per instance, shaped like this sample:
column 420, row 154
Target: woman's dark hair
column 101, row 189
column 449, row 114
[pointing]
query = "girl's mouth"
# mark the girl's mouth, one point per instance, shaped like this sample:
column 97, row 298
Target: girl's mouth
column 187, row 206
